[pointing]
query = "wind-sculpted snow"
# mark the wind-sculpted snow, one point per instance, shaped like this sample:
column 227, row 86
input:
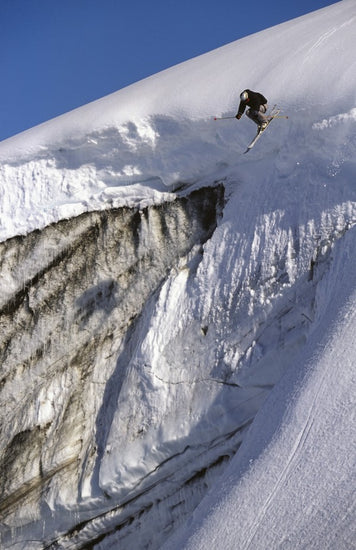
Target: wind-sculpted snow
column 135, row 164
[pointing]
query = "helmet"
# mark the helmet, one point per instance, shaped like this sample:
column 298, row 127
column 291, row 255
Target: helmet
column 244, row 96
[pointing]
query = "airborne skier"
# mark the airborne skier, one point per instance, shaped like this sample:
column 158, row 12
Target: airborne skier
column 257, row 105
column 257, row 109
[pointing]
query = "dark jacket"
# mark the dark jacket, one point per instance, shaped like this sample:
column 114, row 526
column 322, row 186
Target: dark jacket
column 255, row 100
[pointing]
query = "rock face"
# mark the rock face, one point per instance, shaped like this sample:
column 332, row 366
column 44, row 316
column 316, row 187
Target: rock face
column 72, row 298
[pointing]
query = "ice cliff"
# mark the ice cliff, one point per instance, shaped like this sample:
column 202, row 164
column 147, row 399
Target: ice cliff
column 69, row 326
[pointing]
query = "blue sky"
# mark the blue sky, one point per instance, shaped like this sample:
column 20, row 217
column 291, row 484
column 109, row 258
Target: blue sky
column 56, row 55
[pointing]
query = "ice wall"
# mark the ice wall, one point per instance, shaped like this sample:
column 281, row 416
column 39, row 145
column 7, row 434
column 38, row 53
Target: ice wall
column 71, row 300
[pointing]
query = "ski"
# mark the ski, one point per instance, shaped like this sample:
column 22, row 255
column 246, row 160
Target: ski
column 274, row 114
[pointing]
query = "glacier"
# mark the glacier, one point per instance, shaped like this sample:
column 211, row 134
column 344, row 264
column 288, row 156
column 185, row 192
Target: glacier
column 177, row 318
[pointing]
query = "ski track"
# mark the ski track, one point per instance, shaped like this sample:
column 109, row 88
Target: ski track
column 290, row 464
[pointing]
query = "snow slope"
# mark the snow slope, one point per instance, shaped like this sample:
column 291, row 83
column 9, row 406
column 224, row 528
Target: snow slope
column 151, row 135
column 253, row 329
column 292, row 484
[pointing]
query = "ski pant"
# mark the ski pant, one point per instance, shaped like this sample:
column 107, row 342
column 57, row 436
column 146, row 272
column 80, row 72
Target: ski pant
column 258, row 116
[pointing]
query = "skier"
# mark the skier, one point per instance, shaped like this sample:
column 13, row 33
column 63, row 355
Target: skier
column 257, row 104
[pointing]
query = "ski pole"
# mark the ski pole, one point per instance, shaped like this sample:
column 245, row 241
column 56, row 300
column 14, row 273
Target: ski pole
column 223, row 117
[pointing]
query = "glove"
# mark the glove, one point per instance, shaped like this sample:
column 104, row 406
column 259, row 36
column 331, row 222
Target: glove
column 238, row 116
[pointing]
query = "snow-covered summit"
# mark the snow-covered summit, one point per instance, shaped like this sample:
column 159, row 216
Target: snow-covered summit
column 145, row 349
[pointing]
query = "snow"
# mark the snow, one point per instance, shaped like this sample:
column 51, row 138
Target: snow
column 291, row 485
column 270, row 302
